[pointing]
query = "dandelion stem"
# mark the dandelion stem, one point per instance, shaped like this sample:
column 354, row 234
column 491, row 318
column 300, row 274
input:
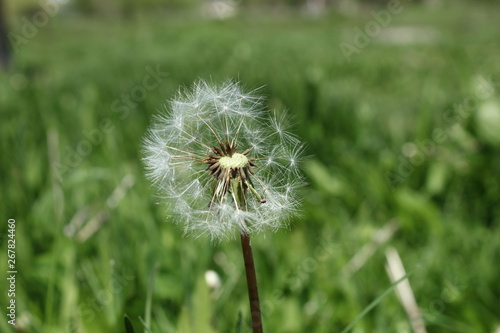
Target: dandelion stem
column 253, row 292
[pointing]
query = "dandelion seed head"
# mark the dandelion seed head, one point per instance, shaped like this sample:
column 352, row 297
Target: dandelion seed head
column 222, row 163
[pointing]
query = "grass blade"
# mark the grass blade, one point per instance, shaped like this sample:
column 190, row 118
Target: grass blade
column 374, row 303
column 128, row 325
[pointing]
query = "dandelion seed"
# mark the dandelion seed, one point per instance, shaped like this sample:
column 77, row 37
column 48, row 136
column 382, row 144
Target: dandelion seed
column 223, row 164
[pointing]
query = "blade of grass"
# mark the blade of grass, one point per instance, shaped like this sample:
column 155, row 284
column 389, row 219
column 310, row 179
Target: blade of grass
column 128, row 325
column 374, row 303
column 239, row 324
column 149, row 299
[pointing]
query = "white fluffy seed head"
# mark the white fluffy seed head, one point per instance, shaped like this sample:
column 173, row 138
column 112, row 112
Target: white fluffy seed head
column 179, row 141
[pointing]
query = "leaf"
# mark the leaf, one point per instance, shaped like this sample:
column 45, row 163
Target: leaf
column 488, row 122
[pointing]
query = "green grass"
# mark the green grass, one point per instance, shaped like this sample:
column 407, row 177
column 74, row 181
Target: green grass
column 358, row 118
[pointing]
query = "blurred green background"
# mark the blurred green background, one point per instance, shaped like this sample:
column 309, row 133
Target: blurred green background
column 401, row 114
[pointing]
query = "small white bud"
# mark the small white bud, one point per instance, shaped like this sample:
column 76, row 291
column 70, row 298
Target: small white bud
column 212, row 279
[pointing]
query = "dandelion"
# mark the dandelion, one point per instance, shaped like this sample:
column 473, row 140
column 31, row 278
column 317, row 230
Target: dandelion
column 224, row 165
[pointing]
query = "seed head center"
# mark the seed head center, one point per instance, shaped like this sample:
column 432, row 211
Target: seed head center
column 235, row 161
